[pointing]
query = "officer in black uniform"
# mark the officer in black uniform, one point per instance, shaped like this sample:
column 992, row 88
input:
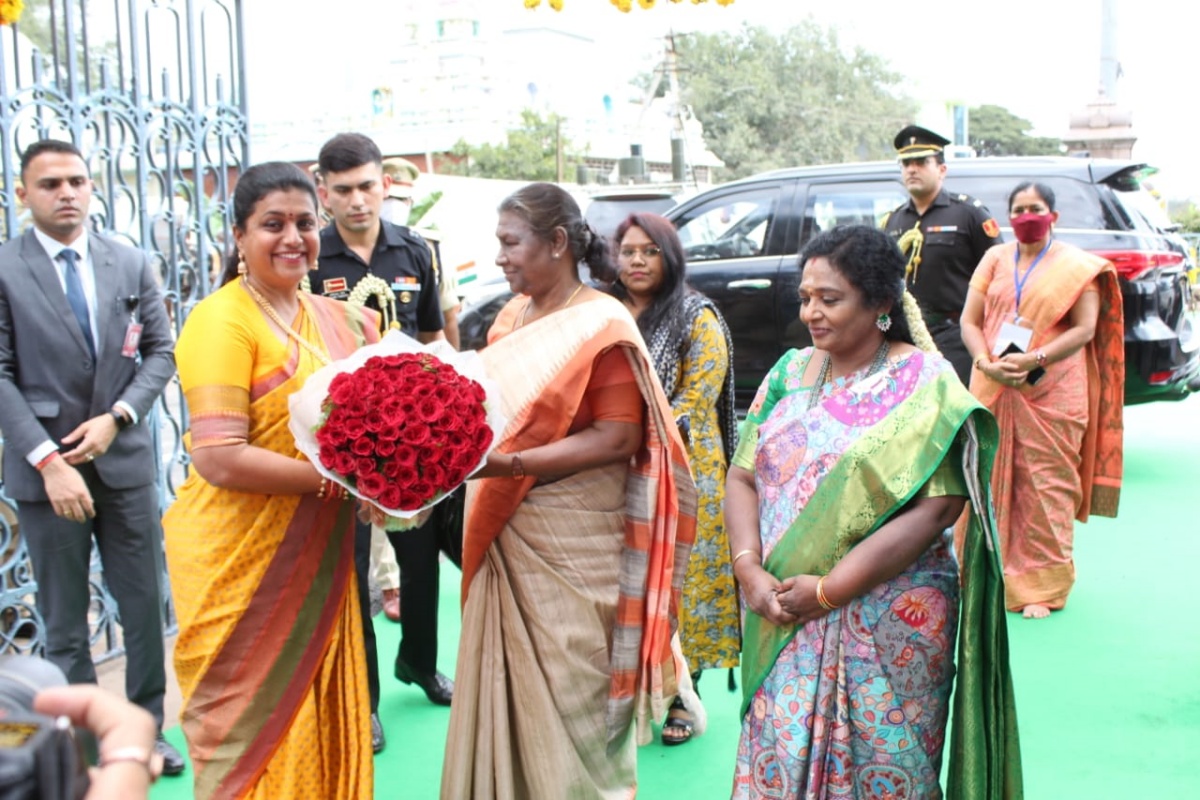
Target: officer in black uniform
column 944, row 236
column 361, row 254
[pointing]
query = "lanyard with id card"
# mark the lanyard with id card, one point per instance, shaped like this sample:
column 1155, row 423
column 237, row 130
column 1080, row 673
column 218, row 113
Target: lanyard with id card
column 1014, row 335
column 133, row 332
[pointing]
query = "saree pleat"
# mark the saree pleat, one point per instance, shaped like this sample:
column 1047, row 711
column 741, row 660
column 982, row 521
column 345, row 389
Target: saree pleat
column 269, row 656
column 571, row 587
column 552, row 665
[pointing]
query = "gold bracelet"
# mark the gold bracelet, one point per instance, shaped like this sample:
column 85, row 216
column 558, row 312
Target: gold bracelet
column 323, row 488
column 981, row 357
column 821, row 598
column 746, row 552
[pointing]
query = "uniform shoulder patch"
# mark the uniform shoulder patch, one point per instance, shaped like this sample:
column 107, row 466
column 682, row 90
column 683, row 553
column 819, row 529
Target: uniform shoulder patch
column 991, row 228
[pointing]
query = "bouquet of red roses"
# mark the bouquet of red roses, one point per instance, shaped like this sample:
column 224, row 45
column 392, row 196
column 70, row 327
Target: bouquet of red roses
column 399, row 424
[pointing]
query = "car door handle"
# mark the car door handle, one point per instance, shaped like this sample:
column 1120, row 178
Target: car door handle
column 750, row 283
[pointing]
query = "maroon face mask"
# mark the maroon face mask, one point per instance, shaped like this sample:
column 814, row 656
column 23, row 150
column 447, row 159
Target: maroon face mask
column 1030, row 228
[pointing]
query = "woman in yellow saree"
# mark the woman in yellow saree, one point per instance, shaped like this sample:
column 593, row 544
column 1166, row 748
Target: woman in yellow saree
column 1060, row 455
column 577, row 537
column 260, row 546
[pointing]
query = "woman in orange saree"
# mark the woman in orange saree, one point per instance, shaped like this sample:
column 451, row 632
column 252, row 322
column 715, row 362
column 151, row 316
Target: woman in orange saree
column 260, row 546
column 1057, row 395
column 577, row 537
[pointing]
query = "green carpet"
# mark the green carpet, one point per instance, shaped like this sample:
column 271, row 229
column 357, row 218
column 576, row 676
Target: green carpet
column 1107, row 689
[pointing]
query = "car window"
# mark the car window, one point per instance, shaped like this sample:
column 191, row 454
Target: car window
column 734, row 225
column 1077, row 202
column 604, row 214
column 865, row 203
column 1144, row 210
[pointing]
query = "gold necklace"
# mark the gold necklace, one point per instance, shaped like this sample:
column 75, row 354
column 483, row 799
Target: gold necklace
column 273, row 315
column 525, row 310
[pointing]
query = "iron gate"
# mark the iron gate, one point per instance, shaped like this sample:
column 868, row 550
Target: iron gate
column 152, row 93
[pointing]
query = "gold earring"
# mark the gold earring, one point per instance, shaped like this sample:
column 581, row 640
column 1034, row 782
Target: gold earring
column 315, row 265
column 241, row 267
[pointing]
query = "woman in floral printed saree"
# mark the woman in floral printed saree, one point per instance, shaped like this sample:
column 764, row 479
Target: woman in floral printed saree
column 856, row 457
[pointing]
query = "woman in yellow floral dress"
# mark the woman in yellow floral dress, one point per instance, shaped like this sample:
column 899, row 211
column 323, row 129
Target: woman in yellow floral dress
column 692, row 353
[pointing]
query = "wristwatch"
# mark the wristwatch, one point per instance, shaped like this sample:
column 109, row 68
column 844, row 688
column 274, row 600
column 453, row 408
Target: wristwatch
column 123, row 421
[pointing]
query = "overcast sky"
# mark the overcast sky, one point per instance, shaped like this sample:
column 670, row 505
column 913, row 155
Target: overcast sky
column 1038, row 58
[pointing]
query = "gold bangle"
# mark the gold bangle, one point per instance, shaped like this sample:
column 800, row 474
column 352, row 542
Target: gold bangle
column 746, row 552
column 821, row 598
column 323, row 488
column 518, row 468
column 978, row 359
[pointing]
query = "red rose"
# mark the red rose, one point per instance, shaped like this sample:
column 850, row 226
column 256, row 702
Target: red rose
column 416, row 434
column 429, row 409
column 445, row 393
column 434, row 474
column 391, row 497
column 424, row 489
column 390, row 433
column 371, row 485
column 344, row 464
column 365, row 466
column 385, row 448
column 341, row 393
column 406, row 455
column 481, row 437
column 406, row 477
column 451, row 422
column 391, row 412
column 363, row 446
column 328, row 456
column 374, row 421
column 353, row 428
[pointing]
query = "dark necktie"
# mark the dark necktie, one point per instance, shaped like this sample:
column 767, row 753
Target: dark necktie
column 76, row 298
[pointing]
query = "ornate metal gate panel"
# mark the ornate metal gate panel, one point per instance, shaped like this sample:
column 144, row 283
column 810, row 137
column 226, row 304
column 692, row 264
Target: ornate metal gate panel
column 152, row 93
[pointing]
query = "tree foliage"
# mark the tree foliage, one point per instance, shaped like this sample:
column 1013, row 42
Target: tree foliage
column 774, row 99
column 1187, row 216
column 528, row 153
column 996, row 131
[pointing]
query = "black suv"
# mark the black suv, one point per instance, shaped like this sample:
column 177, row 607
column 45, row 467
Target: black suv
column 742, row 241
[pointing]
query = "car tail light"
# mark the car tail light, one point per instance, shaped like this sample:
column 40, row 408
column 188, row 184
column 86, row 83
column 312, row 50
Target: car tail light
column 1133, row 264
column 1159, row 378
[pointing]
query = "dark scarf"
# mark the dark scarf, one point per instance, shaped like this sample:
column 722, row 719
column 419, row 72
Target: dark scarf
column 669, row 343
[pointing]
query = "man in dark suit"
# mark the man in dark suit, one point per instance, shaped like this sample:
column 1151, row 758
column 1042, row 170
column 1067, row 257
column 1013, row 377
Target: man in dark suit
column 85, row 350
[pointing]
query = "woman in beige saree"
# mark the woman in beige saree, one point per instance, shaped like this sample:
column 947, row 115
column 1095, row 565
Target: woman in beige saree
column 576, row 539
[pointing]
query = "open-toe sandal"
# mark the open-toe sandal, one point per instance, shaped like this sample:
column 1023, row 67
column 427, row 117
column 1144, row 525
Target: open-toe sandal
column 678, row 719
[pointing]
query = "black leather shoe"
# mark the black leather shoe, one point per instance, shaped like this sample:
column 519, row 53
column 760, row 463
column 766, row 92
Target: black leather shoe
column 378, row 740
column 172, row 762
column 437, row 687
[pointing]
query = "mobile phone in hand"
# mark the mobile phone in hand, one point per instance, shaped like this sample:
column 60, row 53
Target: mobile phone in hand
column 1035, row 374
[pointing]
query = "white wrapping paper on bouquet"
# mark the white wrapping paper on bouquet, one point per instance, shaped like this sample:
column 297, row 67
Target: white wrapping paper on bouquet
column 305, row 408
